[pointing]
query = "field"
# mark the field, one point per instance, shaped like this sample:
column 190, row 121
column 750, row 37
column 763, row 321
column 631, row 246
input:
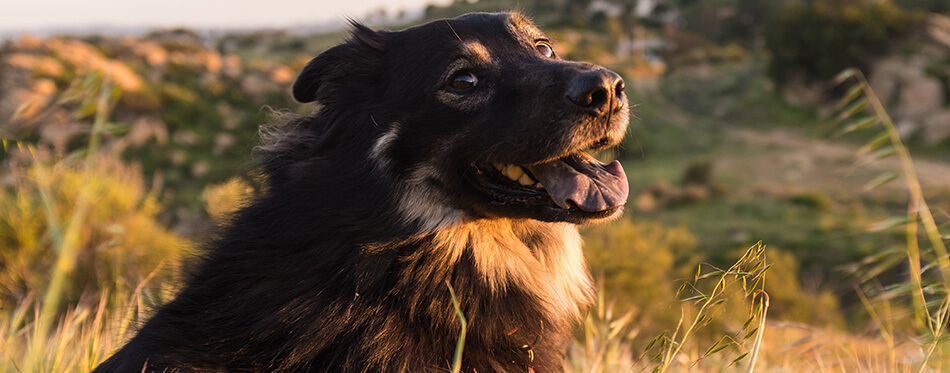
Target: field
column 759, row 235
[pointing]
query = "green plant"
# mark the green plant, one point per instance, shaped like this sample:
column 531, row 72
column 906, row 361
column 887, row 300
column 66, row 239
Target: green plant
column 80, row 339
column 819, row 38
column 637, row 261
column 699, row 310
column 460, row 345
column 927, row 266
column 610, row 340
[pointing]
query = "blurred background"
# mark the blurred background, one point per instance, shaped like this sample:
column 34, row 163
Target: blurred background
column 785, row 212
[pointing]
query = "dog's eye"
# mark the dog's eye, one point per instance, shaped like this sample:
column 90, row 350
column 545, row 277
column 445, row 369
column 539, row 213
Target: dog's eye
column 464, row 80
column 545, row 49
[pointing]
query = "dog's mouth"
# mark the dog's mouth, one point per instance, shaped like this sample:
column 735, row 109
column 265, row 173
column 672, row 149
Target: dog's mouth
column 574, row 187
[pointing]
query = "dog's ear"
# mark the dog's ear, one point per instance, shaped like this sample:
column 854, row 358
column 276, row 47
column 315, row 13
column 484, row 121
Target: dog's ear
column 354, row 61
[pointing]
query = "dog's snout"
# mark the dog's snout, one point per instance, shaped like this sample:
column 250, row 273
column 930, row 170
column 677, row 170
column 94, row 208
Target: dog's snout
column 598, row 91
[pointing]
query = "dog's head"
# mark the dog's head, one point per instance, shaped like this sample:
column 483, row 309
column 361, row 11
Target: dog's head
column 477, row 117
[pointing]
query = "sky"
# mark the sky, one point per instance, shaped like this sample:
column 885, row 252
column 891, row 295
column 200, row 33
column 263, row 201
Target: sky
column 24, row 15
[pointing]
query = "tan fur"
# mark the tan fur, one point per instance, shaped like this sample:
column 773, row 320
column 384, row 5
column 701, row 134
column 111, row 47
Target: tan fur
column 544, row 259
column 520, row 22
column 477, row 51
column 523, row 29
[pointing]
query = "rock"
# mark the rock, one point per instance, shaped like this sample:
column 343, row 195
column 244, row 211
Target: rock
column 58, row 133
column 798, row 93
column 919, row 97
column 222, row 142
column 145, row 128
column 186, row 137
column 646, row 202
column 45, row 87
column 213, row 61
column 885, row 78
column 256, row 84
column 936, row 127
column 200, row 168
column 178, row 157
column 28, row 42
column 906, row 128
column 148, row 50
column 695, row 193
column 41, row 65
column 30, row 104
column 231, row 67
column 230, row 120
column 938, row 32
column 86, row 58
column 914, row 98
column 282, row 75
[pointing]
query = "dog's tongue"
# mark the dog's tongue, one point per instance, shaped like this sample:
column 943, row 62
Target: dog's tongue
column 581, row 179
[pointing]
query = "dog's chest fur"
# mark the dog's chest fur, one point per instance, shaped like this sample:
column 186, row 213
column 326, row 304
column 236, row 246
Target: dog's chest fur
column 521, row 285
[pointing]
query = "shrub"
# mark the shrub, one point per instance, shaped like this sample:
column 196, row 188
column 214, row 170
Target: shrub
column 791, row 301
column 637, row 261
column 120, row 241
column 821, row 38
column 222, row 200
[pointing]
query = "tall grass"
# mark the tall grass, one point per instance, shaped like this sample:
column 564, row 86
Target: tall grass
column 67, row 249
column 66, row 239
column 928, row 266
column 606, row 343
column 749, row 273
column 712, row 297
column 460, row 345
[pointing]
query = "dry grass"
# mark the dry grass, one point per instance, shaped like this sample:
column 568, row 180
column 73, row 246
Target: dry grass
column 74, row 232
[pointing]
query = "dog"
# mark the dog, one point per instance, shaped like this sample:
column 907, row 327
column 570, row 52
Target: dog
column 451, row 156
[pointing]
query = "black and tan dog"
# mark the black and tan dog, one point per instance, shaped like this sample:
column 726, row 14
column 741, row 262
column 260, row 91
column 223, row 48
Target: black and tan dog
column 452, row 152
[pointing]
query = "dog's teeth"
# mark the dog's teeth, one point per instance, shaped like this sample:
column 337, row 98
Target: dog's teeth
column 513, row 172
column 498, row 166
column 538, row 186
column 525, row 180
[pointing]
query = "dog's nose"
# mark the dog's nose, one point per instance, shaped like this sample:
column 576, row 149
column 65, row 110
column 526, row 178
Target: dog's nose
column 598, row 91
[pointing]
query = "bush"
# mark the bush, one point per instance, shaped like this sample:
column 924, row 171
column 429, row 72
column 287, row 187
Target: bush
column 638, row 262
column 120, row 242
column 821, row 38
column 222, row 200
column 791, row 301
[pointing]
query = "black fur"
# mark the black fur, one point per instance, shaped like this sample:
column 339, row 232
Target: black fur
column 378, row 199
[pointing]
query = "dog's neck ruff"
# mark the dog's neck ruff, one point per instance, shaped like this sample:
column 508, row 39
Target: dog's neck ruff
column 544, row 259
